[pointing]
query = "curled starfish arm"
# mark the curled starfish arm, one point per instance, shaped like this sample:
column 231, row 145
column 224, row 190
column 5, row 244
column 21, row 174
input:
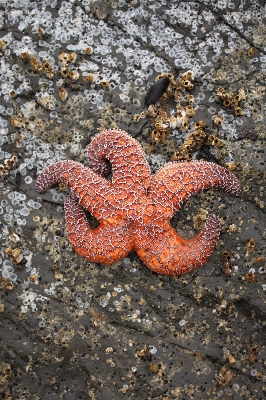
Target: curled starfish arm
column 175, row 182
column 129, row 166
column 106, row 244
column 94, row 192
column 165, row 252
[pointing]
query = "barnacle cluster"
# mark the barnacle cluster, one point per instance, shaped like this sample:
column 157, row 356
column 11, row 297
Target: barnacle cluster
column 230, row 100
column 7, row 165
column 6, row 285
column 230, row 261
column 224, row 376
column 65, row 60
column 163, row 123
column 15, row 254
column 41, row 68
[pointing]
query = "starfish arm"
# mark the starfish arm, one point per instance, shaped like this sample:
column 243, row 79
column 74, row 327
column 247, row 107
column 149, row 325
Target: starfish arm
column 130, row 169
column 106, row 244
column 175, row 182
column 94, row 192
column 165, row 252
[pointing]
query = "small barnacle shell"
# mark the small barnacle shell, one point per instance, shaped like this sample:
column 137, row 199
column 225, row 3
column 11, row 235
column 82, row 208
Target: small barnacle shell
column 104, row 83
column 238, row 111
column 155, row 136
column 185, row 124
column 216, row 142
column 88, row 50
column 143, row 114
column 25, row 56
column 163, row 115
column 34, row 278
column 227, row 103
column 234, row 102
column 144, row 351
column 220, row 90
column 72, row 57
column 154, row 368
column 51, row 74
column 250, row 246
column 173, row 122
column 63, row 94
column 48, row 69
column 190, row 110
column 199, row 124
column 152, row 110
column 252, row 51
column 2, row 44
column 3, row 170
column 231, row 359
column 41, row 32
column 158, row 125
column 188, row 75
column 63, row 186
column 136, row 118
column 89, row 78
column 73, row 74
column 253, row 352
column 46, row 66
column 12, row 94
column 230, row 166
column 237, row 98
column 175, row 156
column 156, row 91
column 158, row 136
column 166, row 124
column 251, row 277
column 63, row 58
column 178, row 95
column 17, row 256
column 179, row 118
column 210, row 140
column 186, row 83
column 35, row 64
column 190, row 99
column 241, row 94
column 218, row 120
column 7, row 285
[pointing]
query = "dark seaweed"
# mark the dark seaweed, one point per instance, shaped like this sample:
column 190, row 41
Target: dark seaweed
column 156, row 91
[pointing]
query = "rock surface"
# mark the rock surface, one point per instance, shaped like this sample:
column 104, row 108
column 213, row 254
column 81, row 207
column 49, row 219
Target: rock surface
column 73, row 329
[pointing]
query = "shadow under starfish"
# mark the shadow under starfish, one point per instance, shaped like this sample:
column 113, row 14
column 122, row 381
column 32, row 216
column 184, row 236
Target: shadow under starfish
column 135, row 208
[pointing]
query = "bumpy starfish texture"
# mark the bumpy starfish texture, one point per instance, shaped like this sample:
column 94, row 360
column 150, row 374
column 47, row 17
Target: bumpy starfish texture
column 135, row 208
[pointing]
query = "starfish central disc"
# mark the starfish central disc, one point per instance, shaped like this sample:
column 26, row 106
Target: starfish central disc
column 135, row 208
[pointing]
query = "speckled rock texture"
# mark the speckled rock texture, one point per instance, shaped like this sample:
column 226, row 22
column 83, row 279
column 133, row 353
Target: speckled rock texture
column 70, row 329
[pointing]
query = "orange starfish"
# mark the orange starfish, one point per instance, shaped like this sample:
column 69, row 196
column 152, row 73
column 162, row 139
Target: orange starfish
column 135, row 208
